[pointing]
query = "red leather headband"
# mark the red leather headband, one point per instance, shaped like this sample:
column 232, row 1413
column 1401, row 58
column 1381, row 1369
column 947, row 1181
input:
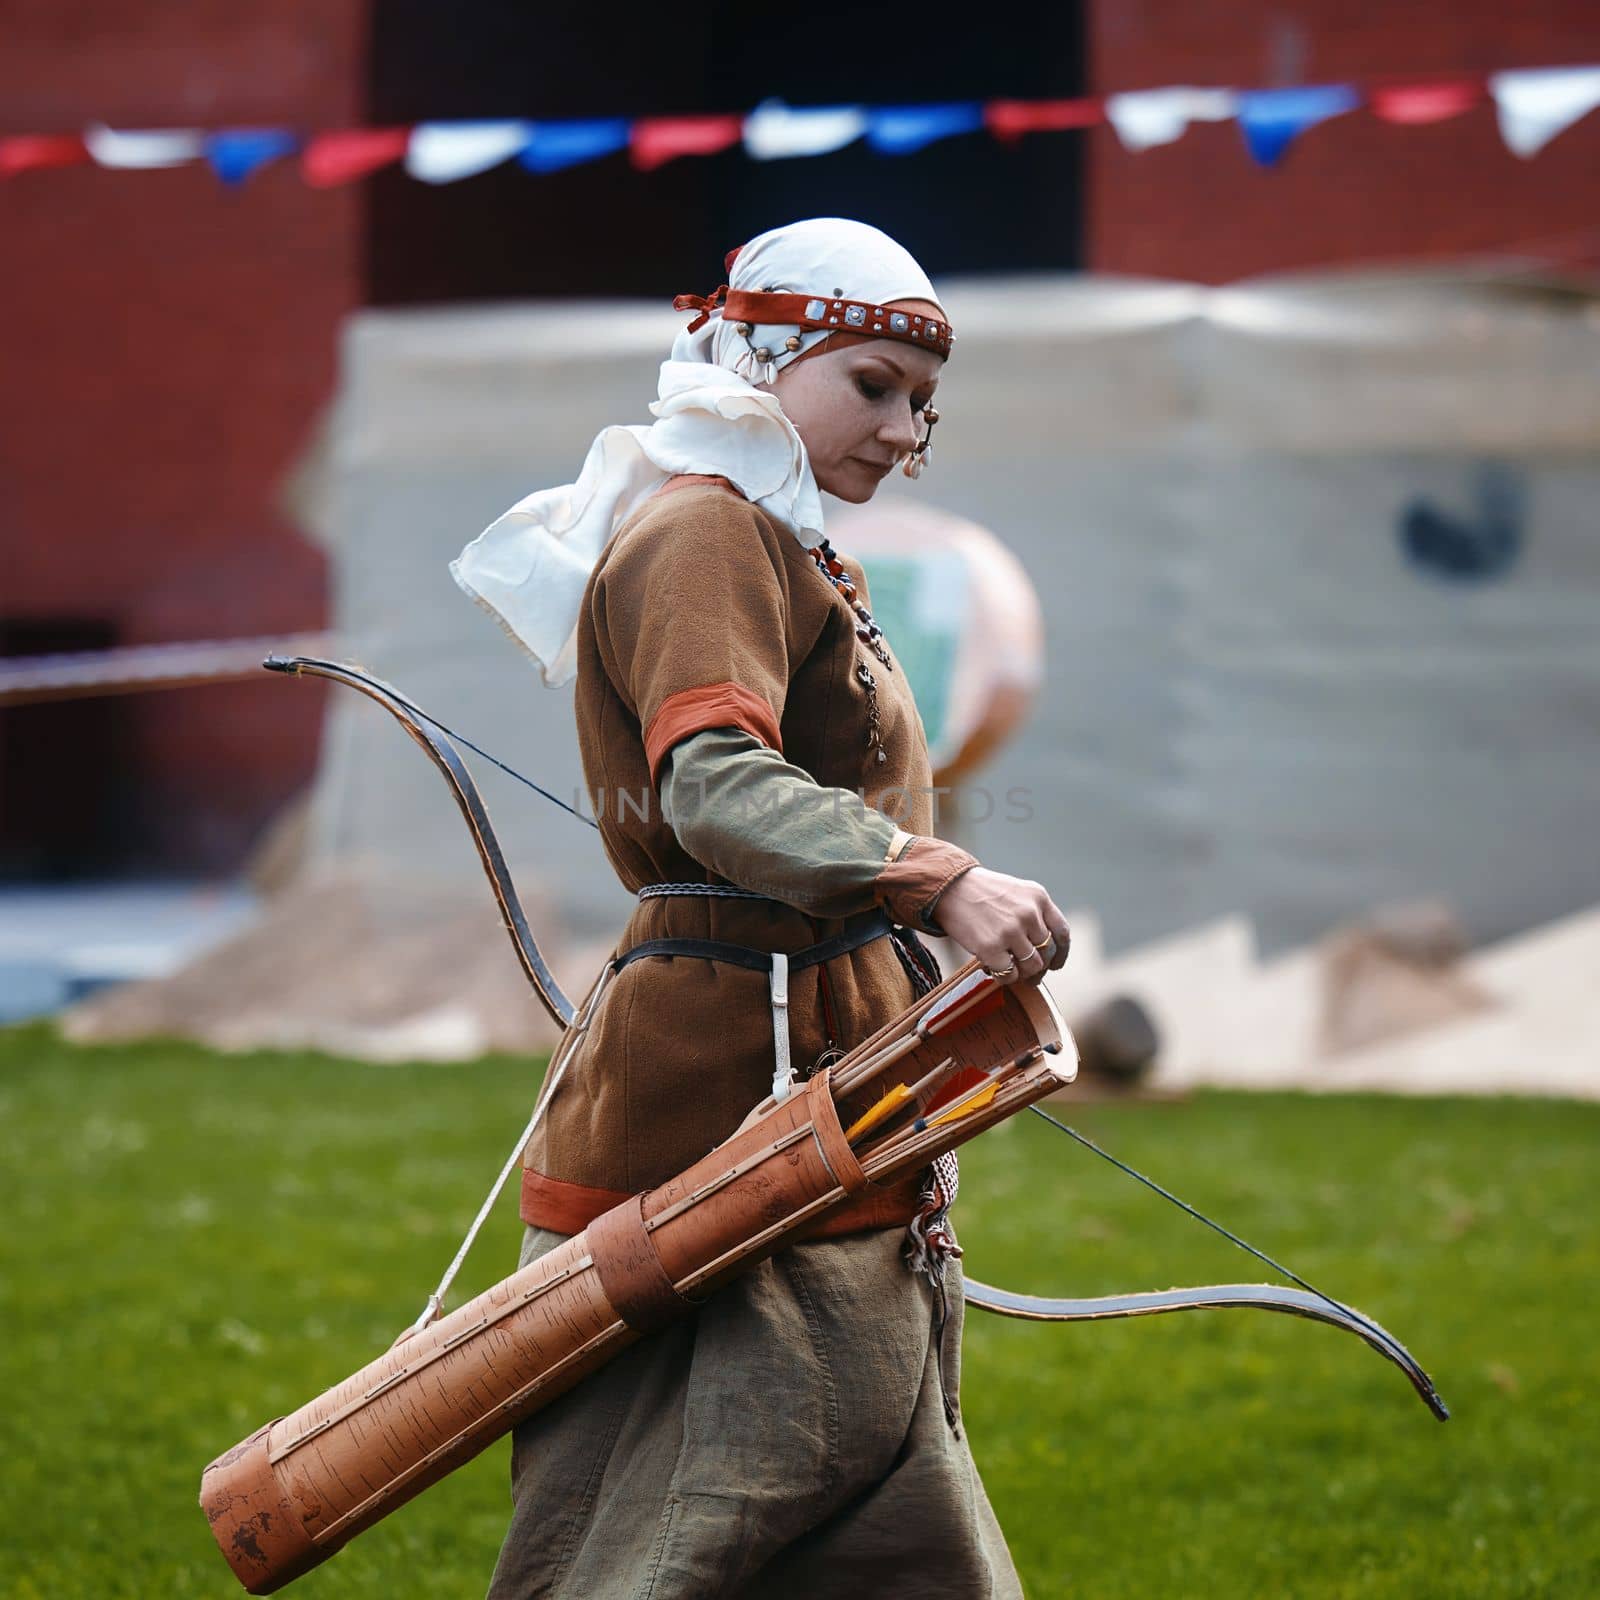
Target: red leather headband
column 830, row 313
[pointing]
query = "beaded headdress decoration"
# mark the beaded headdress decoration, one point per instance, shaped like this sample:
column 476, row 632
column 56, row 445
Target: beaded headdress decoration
column 828, row 313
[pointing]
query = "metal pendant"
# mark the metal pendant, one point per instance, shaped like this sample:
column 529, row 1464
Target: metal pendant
column 874, row 720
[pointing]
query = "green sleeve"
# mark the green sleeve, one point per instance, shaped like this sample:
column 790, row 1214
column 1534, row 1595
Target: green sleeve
column 753, row 818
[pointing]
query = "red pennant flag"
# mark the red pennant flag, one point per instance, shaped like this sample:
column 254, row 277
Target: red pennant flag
column 657, row 140
column 334, row 158
column 25, row 152
column 1425, row 102
column 1010, row 119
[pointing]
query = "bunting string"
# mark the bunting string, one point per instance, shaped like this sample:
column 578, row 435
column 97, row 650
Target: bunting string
column 1532, row 106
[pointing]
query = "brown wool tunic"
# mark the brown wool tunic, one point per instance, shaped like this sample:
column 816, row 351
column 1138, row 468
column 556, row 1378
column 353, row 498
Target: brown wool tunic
column 705, row 612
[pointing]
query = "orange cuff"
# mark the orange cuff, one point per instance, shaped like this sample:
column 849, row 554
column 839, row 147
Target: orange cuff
column 908, row 887
column 717, row 705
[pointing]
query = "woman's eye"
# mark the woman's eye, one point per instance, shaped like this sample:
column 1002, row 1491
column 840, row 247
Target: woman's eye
column 872, row 391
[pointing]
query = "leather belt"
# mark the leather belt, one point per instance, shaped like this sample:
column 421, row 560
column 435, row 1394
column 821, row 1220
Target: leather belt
column 777, row 965
column 871, row 925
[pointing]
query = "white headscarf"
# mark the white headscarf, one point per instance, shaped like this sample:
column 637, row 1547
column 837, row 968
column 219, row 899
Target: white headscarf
column 529, row 568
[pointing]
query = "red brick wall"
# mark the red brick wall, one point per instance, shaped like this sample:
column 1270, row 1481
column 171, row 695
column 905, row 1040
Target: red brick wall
column 167, row 345
column 1354, row 189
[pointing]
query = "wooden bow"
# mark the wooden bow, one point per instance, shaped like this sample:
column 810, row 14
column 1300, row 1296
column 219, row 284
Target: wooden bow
column 1305, row 1300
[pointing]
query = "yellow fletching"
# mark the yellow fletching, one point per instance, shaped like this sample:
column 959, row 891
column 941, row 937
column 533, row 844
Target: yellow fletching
column 873, row 1115
column 966, row 1107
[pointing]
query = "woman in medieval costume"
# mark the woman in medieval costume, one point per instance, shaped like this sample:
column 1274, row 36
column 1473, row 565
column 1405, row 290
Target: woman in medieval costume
column 800, row 1434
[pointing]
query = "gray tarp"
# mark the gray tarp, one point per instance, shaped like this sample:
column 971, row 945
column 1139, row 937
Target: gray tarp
column 1318, row 561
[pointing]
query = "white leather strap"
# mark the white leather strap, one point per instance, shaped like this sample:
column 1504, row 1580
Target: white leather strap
column 782, row 1071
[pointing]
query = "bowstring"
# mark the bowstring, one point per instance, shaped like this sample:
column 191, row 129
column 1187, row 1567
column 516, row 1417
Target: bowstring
column 477, row 749
column 1199, row 1216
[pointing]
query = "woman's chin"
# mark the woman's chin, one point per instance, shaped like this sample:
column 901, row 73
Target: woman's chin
column 856, row 495
column 854, row 485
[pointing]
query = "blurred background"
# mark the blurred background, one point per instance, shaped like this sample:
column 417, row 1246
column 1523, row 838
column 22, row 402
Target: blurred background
column 1286, row 398
column 1253, row 599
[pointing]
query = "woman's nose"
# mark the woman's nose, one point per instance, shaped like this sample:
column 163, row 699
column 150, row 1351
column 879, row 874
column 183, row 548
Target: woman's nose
column 900, row 433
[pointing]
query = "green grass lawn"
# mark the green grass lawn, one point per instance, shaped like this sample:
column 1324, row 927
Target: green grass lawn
column 196, row 1243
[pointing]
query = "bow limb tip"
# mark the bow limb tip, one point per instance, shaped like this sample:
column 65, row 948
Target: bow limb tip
column 1214, row 1297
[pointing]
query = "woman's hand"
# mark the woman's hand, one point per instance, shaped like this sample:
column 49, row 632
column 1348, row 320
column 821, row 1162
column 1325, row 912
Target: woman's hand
column 1010, row 924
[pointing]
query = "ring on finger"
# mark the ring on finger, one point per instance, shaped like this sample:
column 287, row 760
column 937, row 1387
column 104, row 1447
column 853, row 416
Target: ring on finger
column 1044, row 944
column 1004, row 972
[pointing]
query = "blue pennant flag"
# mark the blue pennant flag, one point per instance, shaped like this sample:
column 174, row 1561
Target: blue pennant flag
column 1271, row 119
column 900, row 130
column 235, row 153
column 556, row 145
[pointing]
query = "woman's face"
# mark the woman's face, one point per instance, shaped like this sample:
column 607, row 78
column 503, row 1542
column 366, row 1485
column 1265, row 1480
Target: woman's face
column 859, row 409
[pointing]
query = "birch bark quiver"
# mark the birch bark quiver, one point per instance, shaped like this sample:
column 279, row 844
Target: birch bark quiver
column 291, row 1494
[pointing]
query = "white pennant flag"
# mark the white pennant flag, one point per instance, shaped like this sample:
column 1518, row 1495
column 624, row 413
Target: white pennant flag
column 442, row 152
column 773, row 130
column 1535, row 106
column 1148, row 117
column 151, row 147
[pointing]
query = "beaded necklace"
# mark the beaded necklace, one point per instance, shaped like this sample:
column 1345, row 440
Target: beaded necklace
column 868, row 632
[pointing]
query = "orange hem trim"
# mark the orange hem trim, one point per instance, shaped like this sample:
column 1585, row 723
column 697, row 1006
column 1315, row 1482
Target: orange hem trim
column 563, row 1207
column 714, row 705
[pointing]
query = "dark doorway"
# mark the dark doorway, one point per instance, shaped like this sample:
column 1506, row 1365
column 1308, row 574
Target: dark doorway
column 68, row 775
column 965, row 205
